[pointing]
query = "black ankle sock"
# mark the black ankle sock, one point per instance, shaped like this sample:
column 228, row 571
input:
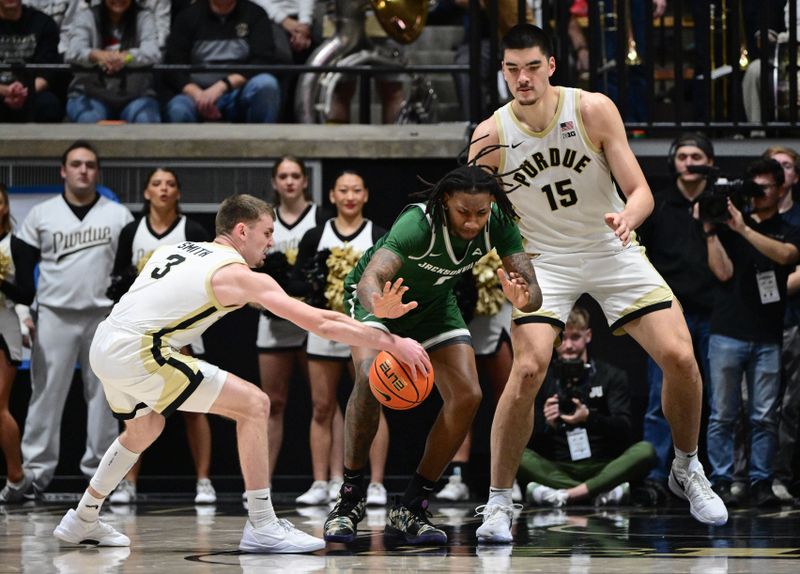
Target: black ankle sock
column 354, row 477
column 419, row 489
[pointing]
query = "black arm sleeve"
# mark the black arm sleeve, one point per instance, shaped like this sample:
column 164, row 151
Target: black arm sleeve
column 298, row 285
column 25, row 257
column 124, row 257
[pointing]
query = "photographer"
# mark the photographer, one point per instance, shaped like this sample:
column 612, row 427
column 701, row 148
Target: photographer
column 790, row 355
column 677, row 249
column 586, row 409
column 752, row 256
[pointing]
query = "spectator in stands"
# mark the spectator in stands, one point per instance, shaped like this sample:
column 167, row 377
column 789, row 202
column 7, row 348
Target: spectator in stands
column 222, row 32
column 10, row 357
column 585, row 406
column 31, row 37
column 73, row 239
column 110, row 37
column 789, row 425
column 63, row 14
column 752, row 256
column 294, row 40
column 677, row 248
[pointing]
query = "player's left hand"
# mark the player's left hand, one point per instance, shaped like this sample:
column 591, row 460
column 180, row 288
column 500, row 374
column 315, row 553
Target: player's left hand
column 619, row 223
column 579, row 416
column 389, row 304
column 515, row 288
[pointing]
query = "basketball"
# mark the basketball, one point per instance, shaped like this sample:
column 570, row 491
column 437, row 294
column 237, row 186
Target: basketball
column 391, row 383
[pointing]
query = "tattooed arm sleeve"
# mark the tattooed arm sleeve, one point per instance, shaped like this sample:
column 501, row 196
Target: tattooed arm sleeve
column 383, row 266
column 520, row 263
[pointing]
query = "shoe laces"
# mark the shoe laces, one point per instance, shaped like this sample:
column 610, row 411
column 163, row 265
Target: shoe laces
column 700, row 484
column 347, row 506
column 489, row 510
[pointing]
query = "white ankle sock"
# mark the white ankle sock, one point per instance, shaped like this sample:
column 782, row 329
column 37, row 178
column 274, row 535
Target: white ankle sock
column 89, row 507
column 687, row 460
column 499, row 496
column 259, row 507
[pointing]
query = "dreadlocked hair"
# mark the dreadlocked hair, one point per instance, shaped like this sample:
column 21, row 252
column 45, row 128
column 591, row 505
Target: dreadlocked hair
column 465, row 179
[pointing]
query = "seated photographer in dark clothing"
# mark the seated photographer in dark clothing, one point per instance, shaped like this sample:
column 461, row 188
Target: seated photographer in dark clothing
column 752, row 254
column 585, row 406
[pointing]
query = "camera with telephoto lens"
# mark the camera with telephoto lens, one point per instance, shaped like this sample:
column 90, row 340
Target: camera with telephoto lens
column 569, row 376
column 713, row 202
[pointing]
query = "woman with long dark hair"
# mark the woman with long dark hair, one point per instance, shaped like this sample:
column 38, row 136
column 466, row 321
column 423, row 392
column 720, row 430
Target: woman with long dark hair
column 110, row 37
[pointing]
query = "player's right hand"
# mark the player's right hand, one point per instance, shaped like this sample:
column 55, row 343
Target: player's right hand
column 413, row 355
column 389, row 304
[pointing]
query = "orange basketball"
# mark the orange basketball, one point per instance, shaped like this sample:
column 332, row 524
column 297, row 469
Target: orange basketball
column 391, row 383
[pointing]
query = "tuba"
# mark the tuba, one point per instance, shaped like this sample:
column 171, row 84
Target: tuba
column 402, row 20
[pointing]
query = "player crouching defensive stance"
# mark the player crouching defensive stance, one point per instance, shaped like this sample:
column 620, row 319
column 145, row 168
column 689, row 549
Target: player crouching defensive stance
column 181, row 291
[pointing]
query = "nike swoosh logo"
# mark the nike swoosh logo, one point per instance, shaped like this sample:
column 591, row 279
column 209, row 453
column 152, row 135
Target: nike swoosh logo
column 92, row 506
column 265, row 498
column 386, row 397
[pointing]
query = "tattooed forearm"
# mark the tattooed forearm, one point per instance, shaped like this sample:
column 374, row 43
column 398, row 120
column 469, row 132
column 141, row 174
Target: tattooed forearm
column 521, row 263
column 383, row 266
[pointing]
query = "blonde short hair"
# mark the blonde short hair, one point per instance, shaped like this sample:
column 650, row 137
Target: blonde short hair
column 241, row 208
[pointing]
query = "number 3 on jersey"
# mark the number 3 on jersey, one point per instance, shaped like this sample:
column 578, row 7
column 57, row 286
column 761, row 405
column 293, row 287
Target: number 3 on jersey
column 172, row 260
column 564, row 191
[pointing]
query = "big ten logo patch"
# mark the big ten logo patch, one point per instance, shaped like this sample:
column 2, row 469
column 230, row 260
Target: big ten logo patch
column 390, row 377
column 568, row 130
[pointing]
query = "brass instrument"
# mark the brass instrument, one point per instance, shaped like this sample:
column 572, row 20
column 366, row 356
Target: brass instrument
column 402, row 20
column 744, row 56
column 632, row 57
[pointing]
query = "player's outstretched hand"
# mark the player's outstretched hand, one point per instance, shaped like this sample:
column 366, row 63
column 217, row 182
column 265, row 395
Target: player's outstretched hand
column 620, row 225
column 515, row 288
column 413, row 355
column 389, row 304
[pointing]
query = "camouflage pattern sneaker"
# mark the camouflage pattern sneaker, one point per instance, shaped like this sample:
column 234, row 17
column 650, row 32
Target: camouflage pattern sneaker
column 411, row 523
column 342, row 522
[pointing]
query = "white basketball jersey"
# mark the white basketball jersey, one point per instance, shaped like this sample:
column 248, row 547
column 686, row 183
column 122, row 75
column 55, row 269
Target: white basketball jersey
column 8, row 268
column 77, row 255
column 360, row 241
column 171, row 299
column 287, row 237
column 144, row 242
column 558, row 181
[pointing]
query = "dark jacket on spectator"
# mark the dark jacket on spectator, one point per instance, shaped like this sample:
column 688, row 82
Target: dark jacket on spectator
column 201, row 37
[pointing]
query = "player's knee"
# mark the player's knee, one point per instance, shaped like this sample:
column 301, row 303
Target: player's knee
column 465, row 400
column 678, row 360
column 529, row 371
column 257, row 405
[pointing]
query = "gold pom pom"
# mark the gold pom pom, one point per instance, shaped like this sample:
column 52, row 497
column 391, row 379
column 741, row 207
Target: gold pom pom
column 340, row 262
column 5, row 266
column 291, row 255
column 143, row 261
column 490, row 292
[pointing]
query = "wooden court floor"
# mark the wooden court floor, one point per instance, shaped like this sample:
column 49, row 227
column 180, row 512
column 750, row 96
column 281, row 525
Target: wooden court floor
column 176, row 537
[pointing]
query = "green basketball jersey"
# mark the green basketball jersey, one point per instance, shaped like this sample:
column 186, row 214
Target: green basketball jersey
column 433, row 258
